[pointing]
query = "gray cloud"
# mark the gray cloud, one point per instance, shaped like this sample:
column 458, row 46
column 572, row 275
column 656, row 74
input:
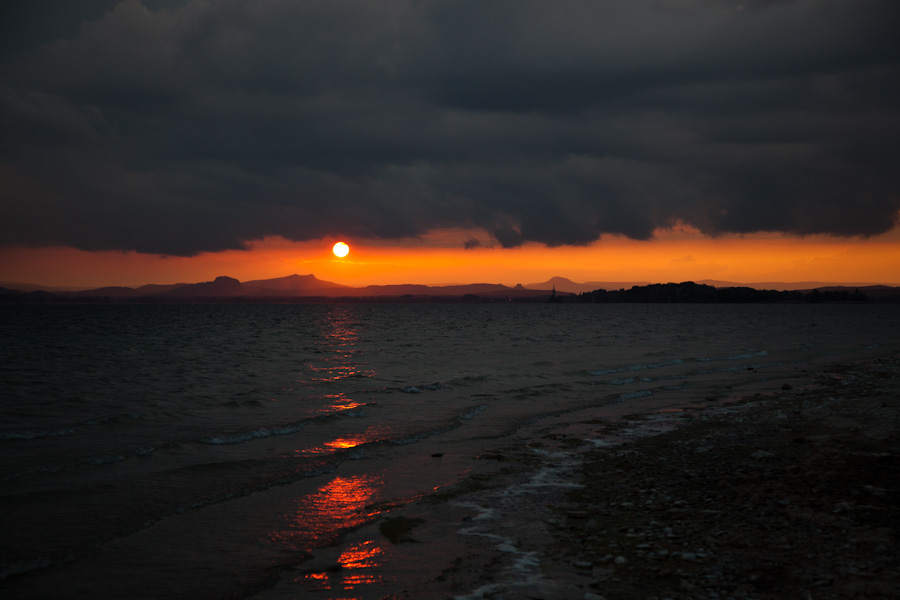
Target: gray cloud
column 178, row 127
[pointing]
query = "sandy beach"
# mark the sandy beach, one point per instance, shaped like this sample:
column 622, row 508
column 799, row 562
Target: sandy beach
column 787, row 493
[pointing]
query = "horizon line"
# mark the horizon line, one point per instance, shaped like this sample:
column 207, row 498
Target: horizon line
column 31, row 287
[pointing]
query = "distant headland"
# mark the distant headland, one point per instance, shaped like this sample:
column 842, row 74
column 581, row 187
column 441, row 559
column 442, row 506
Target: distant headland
column 310, row 289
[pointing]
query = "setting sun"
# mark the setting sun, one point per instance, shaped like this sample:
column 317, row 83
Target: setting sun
column 341, row 249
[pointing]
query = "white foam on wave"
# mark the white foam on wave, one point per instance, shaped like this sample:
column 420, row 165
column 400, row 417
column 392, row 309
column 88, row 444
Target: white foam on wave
column 558, row 476
column 416, row 389
column 472, row 412
column 90, row 460
column 524, row 571
column 523, row 565
column 103, row 460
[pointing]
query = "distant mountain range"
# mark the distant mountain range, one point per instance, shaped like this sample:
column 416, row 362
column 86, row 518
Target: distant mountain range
column 284, row 287
column 294, row 286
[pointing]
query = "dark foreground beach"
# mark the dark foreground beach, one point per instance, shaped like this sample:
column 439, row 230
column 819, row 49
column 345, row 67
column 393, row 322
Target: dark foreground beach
column 787, row 493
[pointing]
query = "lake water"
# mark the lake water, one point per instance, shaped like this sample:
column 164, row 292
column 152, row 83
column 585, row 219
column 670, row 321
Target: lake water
column 206, row 451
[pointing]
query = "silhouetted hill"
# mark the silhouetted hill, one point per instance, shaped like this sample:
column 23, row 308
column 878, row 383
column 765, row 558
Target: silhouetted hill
column 221, row 287
column 153, row 289
column 144, row 291
column 475, row 289
column 33, row 287
column 110, row 292
column 293, row 285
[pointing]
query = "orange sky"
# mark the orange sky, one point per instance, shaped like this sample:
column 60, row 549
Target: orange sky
column 439, row 258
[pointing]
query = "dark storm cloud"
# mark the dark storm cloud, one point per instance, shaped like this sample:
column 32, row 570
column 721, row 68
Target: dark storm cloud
column 178, row 127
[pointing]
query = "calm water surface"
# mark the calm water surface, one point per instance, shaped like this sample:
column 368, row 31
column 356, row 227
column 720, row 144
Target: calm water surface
column 201, row 451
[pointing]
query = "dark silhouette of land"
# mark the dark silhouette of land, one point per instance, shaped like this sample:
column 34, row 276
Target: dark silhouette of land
column 308, row 288
column 690, row 292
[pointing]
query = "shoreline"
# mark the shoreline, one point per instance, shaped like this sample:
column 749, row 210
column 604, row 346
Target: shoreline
column 794, row 493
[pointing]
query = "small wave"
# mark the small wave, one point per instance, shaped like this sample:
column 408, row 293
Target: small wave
column 25, row 567
column 637, row 394
column 623, row 381
column 735, row 368
column 357, row 453
column 472, row 412
column 35, row 435
column 412, row 439
column 245, row 436
column 638, row 367
column 113, row 418
column 71, row 429
column 735, row 356
column 240, row 437
column 471, row 379
column 94, row 461
column 415, row 389
column 104, row 460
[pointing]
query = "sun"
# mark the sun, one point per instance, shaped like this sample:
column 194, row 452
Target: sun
column 341, row 249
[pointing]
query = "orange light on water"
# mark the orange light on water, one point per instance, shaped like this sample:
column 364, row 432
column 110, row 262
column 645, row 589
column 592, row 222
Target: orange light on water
column 350, row 441
column 339, row 403
column 347, row 442
column 362, row 555
column 318, row 519
column 357, row 561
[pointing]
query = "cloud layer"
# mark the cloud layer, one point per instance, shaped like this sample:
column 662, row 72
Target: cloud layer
column 179, row 127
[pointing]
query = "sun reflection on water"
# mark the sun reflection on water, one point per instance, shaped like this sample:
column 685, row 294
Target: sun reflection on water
column 344, row 503
column 337, row 372
column 346, row 442
column 318, row 519
column 337, row 348
column 340, row 402
column 361, row 555
column 357, row 563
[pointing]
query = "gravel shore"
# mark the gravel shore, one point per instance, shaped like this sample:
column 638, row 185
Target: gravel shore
column 788, row 495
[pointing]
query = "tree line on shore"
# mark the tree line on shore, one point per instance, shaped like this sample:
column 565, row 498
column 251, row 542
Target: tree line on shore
column 690, row 292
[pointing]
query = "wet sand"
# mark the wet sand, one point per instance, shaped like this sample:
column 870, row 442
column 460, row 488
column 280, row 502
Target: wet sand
column 786, row 493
